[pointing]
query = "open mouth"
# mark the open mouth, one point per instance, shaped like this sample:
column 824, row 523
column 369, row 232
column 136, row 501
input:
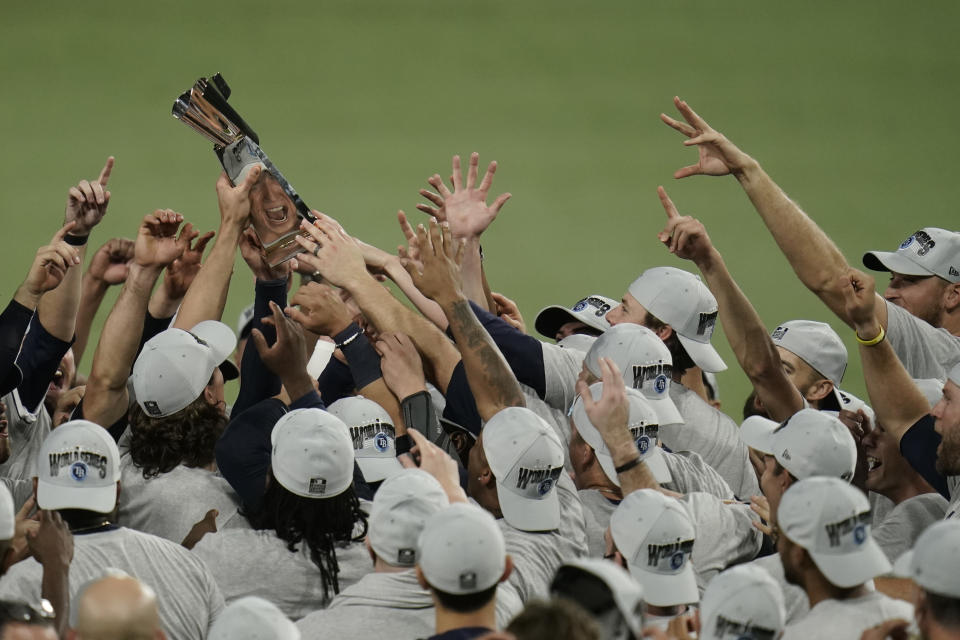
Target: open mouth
column 873, row 464
column 276, row 214
column 57, row 380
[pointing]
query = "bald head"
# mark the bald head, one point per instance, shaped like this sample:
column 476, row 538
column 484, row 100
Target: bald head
column 118, row 608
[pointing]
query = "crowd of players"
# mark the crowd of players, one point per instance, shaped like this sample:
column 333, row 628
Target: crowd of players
column 429, row 468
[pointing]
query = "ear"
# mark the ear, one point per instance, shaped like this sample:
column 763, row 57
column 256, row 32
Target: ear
column 507, row 569
column 664, row 332
column 951, row 296
column 421, row 579
column 209, row 395
column 819, row 390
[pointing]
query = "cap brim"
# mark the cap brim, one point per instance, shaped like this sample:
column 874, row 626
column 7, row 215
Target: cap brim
column 377, row 469
column 851, row 569
column 52, row 497
column 757, row 433
column 703, row 354
column 655, row 462
column 901, row 568
column 667, row 590
column 551, row 318
column 450, row 427
column 529, row 515
column 895, row 262
column 666, row 410
column 229, row 370
column 219, row 338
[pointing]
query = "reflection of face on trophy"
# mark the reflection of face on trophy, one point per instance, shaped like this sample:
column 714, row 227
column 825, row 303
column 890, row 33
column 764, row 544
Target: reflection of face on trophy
column 275, row 207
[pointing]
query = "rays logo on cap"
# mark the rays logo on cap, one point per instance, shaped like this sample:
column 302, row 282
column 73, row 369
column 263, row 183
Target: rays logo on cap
column 660, row 384
column 906, row 243
column 544, row 487
column 380, row 442
column 78, row 471
column 643, row 444
column 860, row 534
column 676, row 561
column 580, row 306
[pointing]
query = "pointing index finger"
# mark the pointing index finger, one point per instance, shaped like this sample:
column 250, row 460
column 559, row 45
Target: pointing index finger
column 668, row 207
column 107, row 170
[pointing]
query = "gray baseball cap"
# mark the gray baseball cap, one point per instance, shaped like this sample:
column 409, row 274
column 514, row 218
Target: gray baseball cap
column 927, row 252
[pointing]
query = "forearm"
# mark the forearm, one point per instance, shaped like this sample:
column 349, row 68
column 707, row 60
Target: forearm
column 813, row 255
column 388, row 314
column 750, row 342
column 894, row 397
column 58, row 308
column 92, row 293
column 55, row 588
column 117, row 350
column 207, row 295
column 472, row 274
column 492, row 382
column 13, row 326
column 162, row 305
column 257, row 382
column 624, row 451
column 430, row 309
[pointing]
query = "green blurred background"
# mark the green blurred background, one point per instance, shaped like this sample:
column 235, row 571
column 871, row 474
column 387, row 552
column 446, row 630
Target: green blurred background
column 851, row 106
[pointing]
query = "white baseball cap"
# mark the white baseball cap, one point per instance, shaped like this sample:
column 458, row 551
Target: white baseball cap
column 312, row 453
column 645, row 363
column 656, row 535
column 373, row 435
column 7, row 514
column 526, row 457
column 742, row 603
column 245, row 321
column 817, row 344
column 591, row 311
column 643, row 426
column 175, row 366
column 928, row 252
column 850, row 402
column 252, row 618
column 623, row 590
column 934, row 561
column 401, row 507
column 831, row 520
column 78, row 468
column 461, row 550
column 931, row 388
column 681, row 300
column 808, row 443
column 577, row 342
column 954, row 375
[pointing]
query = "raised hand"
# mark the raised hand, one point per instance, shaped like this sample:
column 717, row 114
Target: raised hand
column 760, row 506
column 509, row 312
column 234, row 201
column 437, row 463
column 331, row 251
column 182, row 271
column 320, row 309
column 400, row 364
column 111, row 262
column 465, row 208
column 87, row 201
column 859, row 291
column 684, row 236
column 412, row 251
column 49, row 267
column 441, row 256
column 51, row 541
column 157, row 244
column 251, row 249
column 717, row 155
column 287, row 357
column 609, row 414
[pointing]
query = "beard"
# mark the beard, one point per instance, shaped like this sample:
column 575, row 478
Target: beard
column 948, row 454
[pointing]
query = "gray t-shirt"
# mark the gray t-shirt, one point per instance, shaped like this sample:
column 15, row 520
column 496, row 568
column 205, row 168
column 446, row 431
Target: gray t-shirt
column 250, row 562
column 188, row 598
column 713, row 435
column 690, row 473
column 794, row 598
column 847, row 619
column 880, row 507
column 561, row 367
column 170, row 504
column 558, row 420
column 953, row 489
column 725, row 535
column 904, row 524
column 597, row 510
column 536, row 556
column 924, row 350
column 389, row 605
column 27, row 428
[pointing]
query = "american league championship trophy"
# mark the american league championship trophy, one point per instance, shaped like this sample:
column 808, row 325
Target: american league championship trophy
column 275, row 207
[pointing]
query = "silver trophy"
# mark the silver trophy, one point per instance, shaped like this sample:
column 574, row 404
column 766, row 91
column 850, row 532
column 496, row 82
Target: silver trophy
column 276, row 208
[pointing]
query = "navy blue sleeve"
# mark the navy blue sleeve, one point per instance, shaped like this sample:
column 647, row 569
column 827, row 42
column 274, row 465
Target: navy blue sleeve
column 13, row 325
column 335, row 381
column 39, row 359
column 363, row 359
column 919, row 446
column 243, row 451
column 151, row 327
column 523, row 353
column 257, row 382
column 461, row 406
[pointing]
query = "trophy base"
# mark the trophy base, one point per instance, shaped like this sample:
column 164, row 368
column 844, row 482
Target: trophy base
column 284, row 248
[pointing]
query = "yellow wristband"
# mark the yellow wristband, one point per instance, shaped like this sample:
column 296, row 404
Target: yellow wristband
column 876, row 340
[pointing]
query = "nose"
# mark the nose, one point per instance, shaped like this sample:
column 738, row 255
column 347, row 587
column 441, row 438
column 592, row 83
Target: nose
column 612, row 315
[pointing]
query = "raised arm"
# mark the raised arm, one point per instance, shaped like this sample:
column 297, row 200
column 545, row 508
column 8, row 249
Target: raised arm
column 179, row 275
column 492, row 383
column 208, row 294
column 108, row 267
column 86, row 205
column 156, row 245
column 466, row 210
column 687, row 238
column 813, row 255
column 894, row 397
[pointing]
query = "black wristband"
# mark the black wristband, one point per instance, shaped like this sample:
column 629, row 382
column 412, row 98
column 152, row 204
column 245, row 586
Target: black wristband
column 76, row 241
column 403, row 444
column 626, row 466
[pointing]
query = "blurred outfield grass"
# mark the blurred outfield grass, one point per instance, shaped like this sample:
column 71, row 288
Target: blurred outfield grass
column 851, row 106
